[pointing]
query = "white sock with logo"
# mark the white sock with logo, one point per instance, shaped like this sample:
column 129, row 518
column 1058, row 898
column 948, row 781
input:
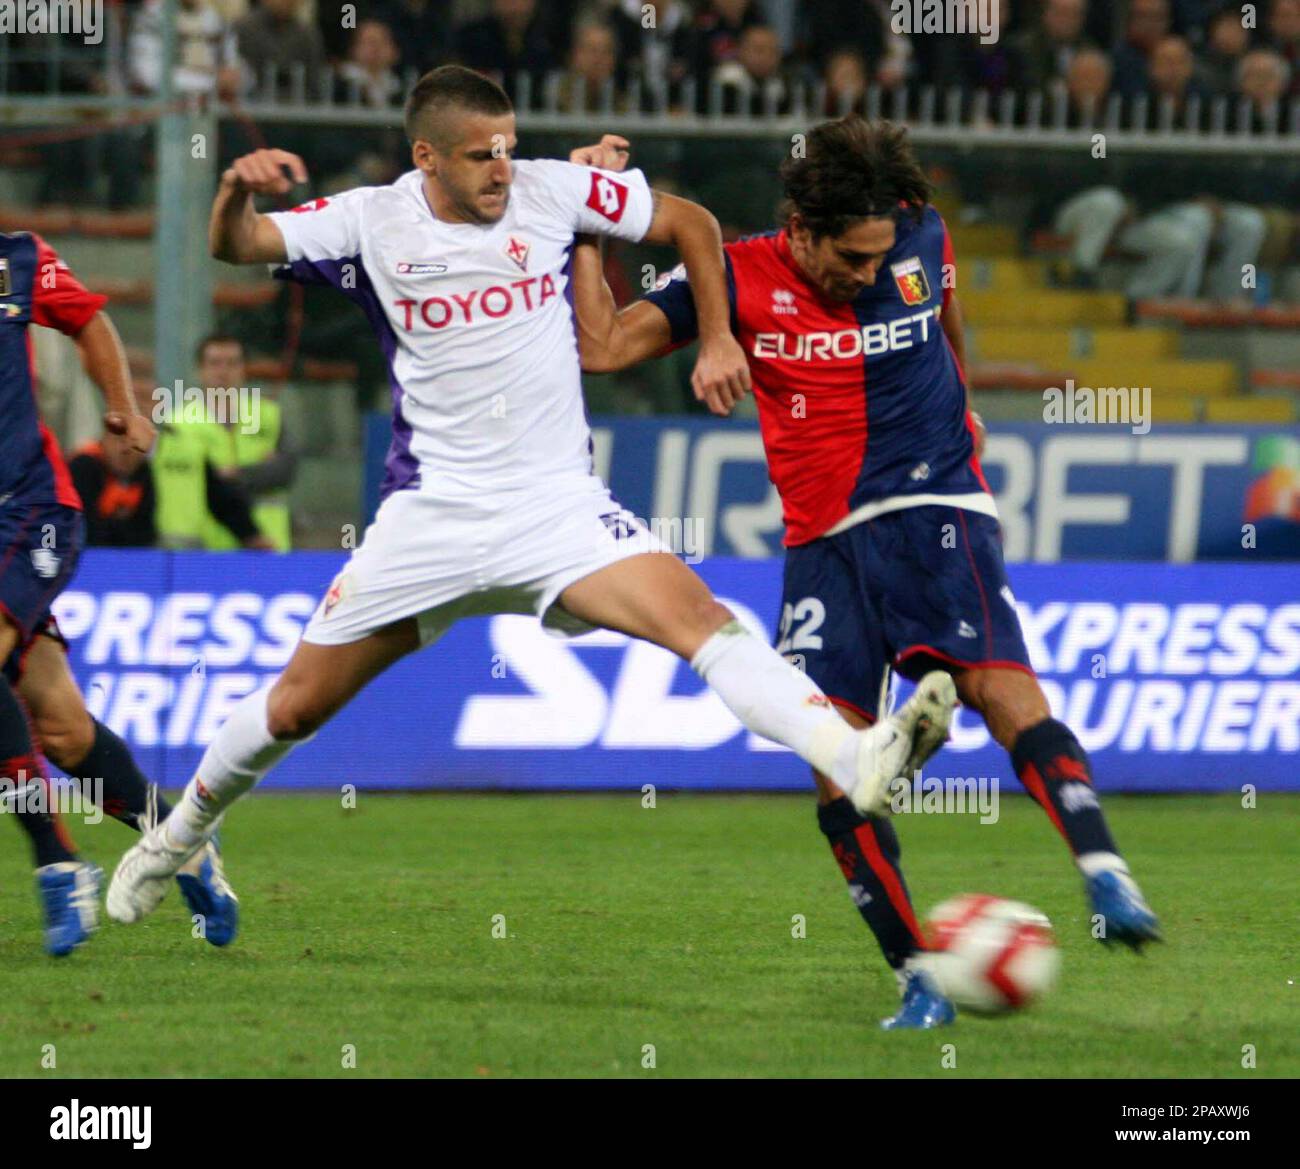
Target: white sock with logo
column 779, row 702
column 241, row 753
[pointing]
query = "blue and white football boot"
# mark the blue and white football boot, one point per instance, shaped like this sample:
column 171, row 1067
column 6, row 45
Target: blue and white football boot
column 1125, row 916
column 923, row 1006
column 70, row 900
column 208, row 895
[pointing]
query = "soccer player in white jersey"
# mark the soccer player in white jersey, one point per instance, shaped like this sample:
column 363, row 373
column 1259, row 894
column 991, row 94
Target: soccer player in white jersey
column 491, row 503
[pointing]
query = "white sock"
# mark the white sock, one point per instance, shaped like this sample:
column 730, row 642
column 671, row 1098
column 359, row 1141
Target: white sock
column 242, row 752
column 1092, row 863
column 779, row 702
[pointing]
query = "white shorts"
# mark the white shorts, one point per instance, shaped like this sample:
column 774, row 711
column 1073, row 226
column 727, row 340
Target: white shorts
column 439, row 559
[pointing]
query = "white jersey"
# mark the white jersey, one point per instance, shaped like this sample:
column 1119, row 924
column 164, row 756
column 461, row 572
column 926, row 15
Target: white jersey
column 476, row 321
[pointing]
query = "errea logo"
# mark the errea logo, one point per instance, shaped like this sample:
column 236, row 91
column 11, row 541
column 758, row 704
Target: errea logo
column 783, row 304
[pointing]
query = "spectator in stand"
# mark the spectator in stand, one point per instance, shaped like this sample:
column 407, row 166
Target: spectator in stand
column 654, row 45
column 1262, row 80
column 864, row 25
column 369, row 75
column 1087, row 87
column 1191, row 18
column 280, row 48
column 948, row 60
column 1284, row 37
column 593, row 63
column 116, row 485
column 116, row 489
column 1045, row 50
column 717, row 30
column 422, row 30
column 207, row 65
column 207, row 56
column 336, row 20
column 1228, row 40
column 1148, row 23
column 846, row 80
column 754, row 83
column 366, row 155
column 508, row 43
column 1173, row 85
column 832, row 24
column 259, row 460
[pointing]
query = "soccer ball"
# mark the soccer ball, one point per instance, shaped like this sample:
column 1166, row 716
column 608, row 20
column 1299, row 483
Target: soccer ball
column 988, row 954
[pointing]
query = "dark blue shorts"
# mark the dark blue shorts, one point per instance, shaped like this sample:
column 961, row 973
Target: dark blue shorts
column 916, row 589
column 39, row 548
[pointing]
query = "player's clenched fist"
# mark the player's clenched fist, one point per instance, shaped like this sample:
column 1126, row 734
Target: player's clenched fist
column 721, row 376
column 610, row 153
column 135, row 428
column 263, row 172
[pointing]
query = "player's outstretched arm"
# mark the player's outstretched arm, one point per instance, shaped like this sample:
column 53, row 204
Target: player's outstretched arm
column 104, row 360
column 721, row 376
column 237, row 234
column 608, row 339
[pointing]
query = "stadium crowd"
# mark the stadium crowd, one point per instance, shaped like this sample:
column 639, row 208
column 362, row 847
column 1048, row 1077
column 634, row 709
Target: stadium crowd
column 598, row 50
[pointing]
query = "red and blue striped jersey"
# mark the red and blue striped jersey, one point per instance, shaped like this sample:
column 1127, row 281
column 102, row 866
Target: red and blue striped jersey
column 36, row 287
column 862, row 405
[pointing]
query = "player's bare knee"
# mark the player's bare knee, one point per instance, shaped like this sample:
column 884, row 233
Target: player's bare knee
column 1009, row 702
column 65, row 740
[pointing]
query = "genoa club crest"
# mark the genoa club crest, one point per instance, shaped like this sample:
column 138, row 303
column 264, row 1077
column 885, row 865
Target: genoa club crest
column 909, row 276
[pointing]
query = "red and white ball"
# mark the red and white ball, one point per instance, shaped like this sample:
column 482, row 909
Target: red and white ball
column 990, row 955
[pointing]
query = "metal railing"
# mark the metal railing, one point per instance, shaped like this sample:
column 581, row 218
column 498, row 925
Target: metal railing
column 562, row 103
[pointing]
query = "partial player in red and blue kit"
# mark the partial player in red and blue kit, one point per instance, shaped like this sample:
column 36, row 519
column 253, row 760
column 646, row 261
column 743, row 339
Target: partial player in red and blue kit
column 42, row 713
column 894, row 551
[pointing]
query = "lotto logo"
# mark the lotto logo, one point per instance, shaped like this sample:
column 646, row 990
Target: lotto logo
column 607, row 197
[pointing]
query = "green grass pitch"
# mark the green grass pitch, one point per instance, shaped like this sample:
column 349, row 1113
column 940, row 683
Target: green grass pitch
column 668, row 928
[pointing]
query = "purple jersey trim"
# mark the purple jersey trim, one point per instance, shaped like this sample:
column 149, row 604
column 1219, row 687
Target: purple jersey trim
column 401, row 469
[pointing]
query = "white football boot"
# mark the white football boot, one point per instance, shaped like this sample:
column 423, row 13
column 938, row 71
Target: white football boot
column 901, row 743
column 144, row 874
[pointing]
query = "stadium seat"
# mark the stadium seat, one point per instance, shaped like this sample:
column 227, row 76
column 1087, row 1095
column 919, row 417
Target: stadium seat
column 1166, row 378
column 1236, row 410
column 1042, row 307
column 1059, row 346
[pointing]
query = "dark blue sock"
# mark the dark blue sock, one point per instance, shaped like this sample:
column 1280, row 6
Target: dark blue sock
column 110, row 770
column 1054, row 769
column 867, row 850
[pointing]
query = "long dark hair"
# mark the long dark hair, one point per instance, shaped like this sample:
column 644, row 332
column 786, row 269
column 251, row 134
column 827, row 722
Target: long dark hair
column 853, row 169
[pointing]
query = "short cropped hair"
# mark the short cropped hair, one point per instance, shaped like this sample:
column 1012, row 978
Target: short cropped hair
column 446, row 88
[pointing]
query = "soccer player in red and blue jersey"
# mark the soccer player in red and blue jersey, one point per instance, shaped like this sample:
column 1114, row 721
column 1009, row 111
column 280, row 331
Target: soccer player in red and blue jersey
column 894, row 551
column 41, row 536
